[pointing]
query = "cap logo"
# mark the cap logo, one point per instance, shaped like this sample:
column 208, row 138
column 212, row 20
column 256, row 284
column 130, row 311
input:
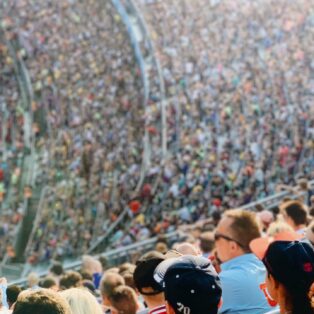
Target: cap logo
column 307, row 267
column 183, row 309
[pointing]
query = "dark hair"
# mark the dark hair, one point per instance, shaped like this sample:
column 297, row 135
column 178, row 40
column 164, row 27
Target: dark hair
column 296, row 211
column 144, row 272
column 70, row 279
column 56, row 268
column 207, row 242
column 39, row 302
column 47, row 282
column 12, row 294
column 292, row 264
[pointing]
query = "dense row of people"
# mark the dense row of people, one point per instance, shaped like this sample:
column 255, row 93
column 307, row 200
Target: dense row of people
column 238, row 264
column 239, row 113
column 89, row 118
column 12, row 144
column 239, row 105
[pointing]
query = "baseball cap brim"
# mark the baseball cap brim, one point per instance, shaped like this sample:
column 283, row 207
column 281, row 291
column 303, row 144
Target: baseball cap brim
column 185, row 261
column 259, row 246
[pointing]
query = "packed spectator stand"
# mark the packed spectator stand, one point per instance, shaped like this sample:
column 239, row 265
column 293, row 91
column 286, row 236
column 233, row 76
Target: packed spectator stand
column 236, row 104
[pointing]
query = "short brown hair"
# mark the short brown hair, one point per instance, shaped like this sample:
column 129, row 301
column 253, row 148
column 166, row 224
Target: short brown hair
column 244, row 226
column 109, row 282
column 124, row 300
column 71, row 279
column 41, row 301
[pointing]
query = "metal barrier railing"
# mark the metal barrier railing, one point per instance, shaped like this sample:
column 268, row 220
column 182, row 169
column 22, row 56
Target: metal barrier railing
column 114, row 257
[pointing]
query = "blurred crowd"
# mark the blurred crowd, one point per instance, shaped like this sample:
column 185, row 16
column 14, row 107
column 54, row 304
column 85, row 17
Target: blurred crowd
column 239, row 93
column 12, row 145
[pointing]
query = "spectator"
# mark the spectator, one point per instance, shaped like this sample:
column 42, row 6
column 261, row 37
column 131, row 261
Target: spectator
column 81, row 301
column 242, row 273
column 32, row 281
column 13, row 292
column 207, row 243
column 71, row 279
column 191, row 285
column 49, row 282
column 109, row 281
column 290, row 276
column 56, row 270
column 146, row 284
column 39, row 302
column 123, row 300
column 296, row 215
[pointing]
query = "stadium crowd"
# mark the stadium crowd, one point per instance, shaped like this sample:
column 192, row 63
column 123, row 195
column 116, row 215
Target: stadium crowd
column 12, row 144
column 242, row 263
column 240, row 117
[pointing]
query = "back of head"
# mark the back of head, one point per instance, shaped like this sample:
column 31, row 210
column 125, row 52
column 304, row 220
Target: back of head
column 191, row 285
column 291, row 264
column 81, row 301
column 144, row 273
column 12, row 294
column 91, row 265
column 124, row 300
column 71, row 279
column 109, row 282
column 48, row 283
column 32, row 279
column 296, row 211
column 41, row 301
column 244, row 226
column 278, row 227
column 56, row 269
column 207, row 242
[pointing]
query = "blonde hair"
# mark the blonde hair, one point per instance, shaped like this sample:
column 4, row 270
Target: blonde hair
column 81, row 301
column 278, row 227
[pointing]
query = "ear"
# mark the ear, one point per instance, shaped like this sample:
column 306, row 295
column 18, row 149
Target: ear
column 170, row 310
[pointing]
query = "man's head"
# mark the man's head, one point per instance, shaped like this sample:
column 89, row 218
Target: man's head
column 294, row 213
column 39, row 302
column 234, row 233
column 144, row 278
column 109, row 281
column 191, row 285
column 123, row 300
column 207, row 242
column 56, row 269
column 12, row 294
column 49, row 283
column 71, row 279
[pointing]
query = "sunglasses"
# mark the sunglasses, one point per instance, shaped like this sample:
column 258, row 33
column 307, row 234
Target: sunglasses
column 218, row 236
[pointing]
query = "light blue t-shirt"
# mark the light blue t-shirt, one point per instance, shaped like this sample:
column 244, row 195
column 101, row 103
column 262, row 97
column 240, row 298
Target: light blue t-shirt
column 240, row 279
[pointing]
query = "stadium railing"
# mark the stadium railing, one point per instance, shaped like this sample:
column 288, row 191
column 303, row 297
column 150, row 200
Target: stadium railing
column 28, row 162
column 122, row 254
column 114, row 257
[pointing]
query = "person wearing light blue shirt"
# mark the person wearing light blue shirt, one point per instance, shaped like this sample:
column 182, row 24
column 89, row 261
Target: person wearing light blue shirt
column 3, row 292
column 242, row 272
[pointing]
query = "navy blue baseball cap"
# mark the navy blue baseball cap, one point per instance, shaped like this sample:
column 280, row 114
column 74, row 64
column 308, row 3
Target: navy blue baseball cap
column 291, row 263
column 191, row 284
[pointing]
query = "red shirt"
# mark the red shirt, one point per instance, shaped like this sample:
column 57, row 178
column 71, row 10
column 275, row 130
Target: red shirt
column 159, row 310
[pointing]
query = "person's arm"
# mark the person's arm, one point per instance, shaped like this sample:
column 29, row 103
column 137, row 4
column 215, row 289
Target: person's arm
column 3, row 287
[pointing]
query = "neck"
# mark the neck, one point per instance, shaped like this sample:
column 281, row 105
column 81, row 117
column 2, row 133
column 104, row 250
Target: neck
column 284, row 304
column 155, row 301
column 299, row 227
